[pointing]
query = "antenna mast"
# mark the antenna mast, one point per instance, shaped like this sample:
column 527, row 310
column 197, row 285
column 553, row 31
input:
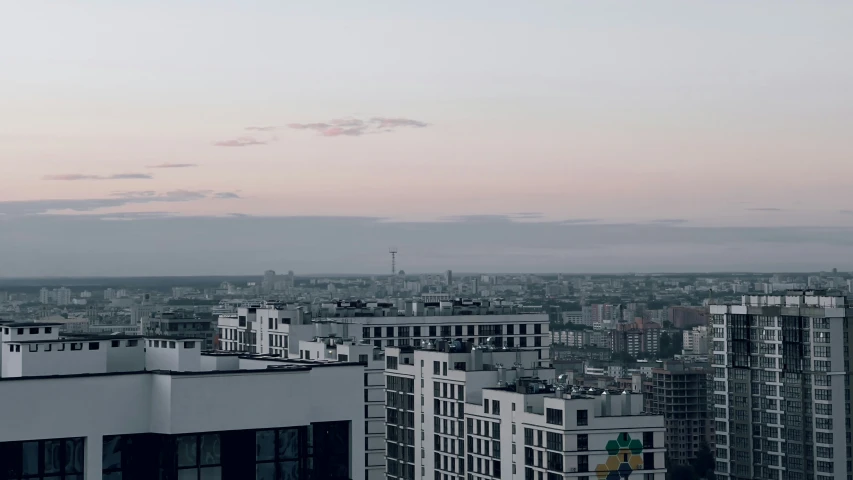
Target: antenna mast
column 393, row 252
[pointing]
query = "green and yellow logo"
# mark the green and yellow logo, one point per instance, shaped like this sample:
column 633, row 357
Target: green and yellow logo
column 626, row 455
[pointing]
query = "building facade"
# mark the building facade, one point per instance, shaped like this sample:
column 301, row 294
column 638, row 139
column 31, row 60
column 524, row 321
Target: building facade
column 276, row 329
column 457, row 412
column 781, row 387
column 122, row 407
column 679, row 392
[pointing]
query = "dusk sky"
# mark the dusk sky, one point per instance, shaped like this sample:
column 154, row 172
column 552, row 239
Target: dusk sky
column 484, row 135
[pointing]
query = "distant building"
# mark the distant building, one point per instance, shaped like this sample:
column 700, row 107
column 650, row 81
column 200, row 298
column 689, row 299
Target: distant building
column 109, row 294
column 637, row 337
column 576, row 318
column 448, row 277
column 63, row 296
column 696, row 341
column 687, row 317
column 269, row 281
column 180, row 323
column 276, row 328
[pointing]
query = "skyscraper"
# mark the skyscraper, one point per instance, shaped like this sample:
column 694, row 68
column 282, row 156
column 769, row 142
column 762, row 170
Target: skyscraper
column 781, row 387
column 448, row 277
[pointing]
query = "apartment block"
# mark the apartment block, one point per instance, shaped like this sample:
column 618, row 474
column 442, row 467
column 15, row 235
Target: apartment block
column 781, row 387
column 455, row 411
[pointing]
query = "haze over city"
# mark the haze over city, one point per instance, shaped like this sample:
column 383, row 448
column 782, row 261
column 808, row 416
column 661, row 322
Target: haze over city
column 482, row 135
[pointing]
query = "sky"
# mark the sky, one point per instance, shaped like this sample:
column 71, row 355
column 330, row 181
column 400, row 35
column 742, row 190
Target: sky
column 219, row 137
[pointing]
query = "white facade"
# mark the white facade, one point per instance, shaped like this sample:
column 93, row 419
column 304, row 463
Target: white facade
column 276, row 329
column 334, row 349
column 163, row 394
column 460, row 413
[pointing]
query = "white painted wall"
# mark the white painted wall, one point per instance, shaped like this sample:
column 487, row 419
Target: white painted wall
column 110, row 404
column 125, row 357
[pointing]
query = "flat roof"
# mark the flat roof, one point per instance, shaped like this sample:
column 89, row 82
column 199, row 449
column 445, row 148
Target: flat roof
column 32, row 324
column 79, row 338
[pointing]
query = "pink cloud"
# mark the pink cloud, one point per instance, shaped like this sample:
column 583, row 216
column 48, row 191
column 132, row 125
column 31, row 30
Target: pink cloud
column 354, row 127
column 174, row 165
column 240, row 142
column 72, row 177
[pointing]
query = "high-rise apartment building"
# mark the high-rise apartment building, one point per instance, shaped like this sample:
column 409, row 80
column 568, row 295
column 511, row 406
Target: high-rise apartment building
column 457, row 412
column 63, row 296
column 679, row 392
column 781, row 387
column 44, row 296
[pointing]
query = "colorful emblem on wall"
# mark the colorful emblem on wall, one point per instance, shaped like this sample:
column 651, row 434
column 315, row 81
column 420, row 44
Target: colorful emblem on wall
column 626, row 455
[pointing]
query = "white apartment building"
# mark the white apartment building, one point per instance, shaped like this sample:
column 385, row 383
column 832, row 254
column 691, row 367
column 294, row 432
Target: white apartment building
column 696, row 341
column 276, row 329
column 457, row 412
column 577, row 318
column 141, row 408
column 781, row 387
column 582, row 338
column 334, row 349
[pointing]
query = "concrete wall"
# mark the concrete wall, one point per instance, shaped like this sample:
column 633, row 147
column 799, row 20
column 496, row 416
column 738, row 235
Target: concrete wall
column 126, row 357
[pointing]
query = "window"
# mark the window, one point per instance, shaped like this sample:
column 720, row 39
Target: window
column 54, row 458
column 436, row 368
column 76, row 346
column 528, row 436
column 583, row 463
column 391, row 363
column 554, row 416
column 171, row 344
column 132, row 343
column 189, row 344
column 496, row 407
column 198, row 456
column 362, row 359
column 115, row 343
column 554, row 441
column 648, row 460
column 485, row 405
column 377, row 332
column 34, row 331
column 34, row 347
column 648, row 440
column 20, row 331
column 365, row 332
column 582, row 417
column 555, row 461
column 583, row 442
